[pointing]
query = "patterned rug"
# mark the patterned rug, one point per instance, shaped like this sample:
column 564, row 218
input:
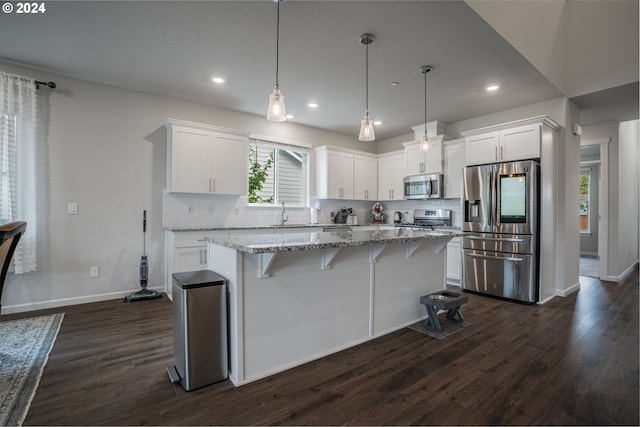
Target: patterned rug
column 24, row 350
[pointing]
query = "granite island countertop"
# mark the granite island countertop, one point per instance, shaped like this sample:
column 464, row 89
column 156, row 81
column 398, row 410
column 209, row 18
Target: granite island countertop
column 289, row 241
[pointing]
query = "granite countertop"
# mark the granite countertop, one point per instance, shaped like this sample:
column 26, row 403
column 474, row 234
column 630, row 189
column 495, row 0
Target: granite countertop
column 288, row 241
column 253, row 227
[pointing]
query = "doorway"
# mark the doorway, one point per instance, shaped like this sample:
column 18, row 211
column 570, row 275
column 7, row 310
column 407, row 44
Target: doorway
column 590, row 173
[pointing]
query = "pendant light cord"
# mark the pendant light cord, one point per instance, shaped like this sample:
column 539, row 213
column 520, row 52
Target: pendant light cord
column 425, row 102
column 277, row 40
column 367, row 77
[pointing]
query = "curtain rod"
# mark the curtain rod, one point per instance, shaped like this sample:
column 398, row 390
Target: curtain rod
column 50, row 85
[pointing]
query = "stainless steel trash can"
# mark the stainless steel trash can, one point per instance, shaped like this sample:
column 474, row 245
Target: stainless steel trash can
column 199, row 329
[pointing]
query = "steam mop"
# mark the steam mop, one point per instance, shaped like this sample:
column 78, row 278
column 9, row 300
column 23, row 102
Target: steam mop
column 143, row 293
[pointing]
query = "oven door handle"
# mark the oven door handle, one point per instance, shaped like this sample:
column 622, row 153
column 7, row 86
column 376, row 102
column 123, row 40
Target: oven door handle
column 496, row 239
column 496, row 257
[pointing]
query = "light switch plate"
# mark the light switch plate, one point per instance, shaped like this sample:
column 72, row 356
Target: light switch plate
column 72, row 208
column 94, row 271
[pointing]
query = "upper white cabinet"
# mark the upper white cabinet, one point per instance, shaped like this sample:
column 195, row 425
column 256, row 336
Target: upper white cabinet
column 391, row 171
column 518, row 143
column 418, row 163
column 334, row 173
column 206, row 159
column 454, row 163
column 365, row 177
column 346, row 174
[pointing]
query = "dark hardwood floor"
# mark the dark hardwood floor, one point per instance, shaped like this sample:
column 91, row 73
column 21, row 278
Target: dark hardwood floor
column 573, row 360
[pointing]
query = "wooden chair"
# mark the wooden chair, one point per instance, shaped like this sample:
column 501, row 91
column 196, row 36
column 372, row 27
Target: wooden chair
column 10, row 234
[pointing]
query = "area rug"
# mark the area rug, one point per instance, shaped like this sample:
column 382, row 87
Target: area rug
column 24, row 350
column 449, row 327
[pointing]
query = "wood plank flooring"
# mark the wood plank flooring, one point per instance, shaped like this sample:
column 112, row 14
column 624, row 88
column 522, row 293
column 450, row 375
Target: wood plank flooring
column 571, row 361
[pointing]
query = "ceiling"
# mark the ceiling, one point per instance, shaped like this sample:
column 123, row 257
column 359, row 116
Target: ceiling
column 173, row 49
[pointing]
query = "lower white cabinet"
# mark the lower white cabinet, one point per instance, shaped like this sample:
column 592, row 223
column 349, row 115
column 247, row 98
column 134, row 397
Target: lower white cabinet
column 184, row 251
column 454, row 262
column 189, row 259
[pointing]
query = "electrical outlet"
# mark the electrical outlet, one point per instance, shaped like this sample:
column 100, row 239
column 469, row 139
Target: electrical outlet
column 190, row 209
column 94, row 271
column 72, row 208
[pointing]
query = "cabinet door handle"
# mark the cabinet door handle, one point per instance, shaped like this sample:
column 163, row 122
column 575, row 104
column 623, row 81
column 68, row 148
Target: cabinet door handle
column 501, row 152
column 496, row 154
column 390, row 194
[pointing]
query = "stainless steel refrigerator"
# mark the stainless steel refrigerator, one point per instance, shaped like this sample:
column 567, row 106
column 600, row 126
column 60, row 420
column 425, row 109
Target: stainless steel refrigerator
column 500, row 245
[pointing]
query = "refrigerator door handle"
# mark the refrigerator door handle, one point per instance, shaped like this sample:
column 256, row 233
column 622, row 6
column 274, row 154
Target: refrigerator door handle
column 496, row 239
column 495, row 257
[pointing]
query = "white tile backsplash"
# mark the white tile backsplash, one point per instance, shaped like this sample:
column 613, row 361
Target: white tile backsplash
column 205, row 210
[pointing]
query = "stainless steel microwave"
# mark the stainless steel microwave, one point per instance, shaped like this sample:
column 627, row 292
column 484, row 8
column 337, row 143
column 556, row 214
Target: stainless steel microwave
column 419, row 187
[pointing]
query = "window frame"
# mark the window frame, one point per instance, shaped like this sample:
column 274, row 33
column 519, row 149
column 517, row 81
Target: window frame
column 585, row 172
column 284, row 145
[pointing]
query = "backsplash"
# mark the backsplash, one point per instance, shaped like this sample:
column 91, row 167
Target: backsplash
column 205, row 210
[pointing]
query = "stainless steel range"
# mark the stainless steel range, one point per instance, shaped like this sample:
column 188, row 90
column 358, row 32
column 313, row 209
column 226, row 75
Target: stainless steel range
column 426, row 218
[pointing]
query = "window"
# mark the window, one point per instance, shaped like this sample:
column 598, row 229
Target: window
column 22, row 156
column 278, row 173
column 585, row 205
column 7, row 171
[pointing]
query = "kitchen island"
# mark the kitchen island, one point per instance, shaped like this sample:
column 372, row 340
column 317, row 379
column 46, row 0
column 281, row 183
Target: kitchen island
column 298, row 295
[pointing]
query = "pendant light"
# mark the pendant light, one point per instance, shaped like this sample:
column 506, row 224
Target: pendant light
column 425, row 144
column 277, row 112
column 366, row 124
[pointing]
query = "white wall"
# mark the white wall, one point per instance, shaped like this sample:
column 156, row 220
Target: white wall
column 622, row 178
column 568, row 228
column 107, row 152
column 627, row 245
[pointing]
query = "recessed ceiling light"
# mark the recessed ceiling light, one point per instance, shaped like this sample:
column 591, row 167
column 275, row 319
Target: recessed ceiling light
column 492, row 88
column 394, row 84
column 290, row 116
column 377, row 122
column 312, row 105
column 217, row 79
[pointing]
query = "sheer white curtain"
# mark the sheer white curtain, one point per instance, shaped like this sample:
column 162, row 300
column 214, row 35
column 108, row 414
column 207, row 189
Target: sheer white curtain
column 18, row 162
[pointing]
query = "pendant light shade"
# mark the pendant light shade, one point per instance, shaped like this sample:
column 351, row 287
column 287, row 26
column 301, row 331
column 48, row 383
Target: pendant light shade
column 366, row 128
column 367, row 132
column 425, row 144
column 277, row 112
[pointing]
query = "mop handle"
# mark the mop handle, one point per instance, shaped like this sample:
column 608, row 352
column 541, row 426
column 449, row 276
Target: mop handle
column 144, row 232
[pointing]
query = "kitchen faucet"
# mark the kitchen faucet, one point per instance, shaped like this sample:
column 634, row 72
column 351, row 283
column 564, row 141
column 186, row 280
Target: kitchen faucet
column 283, row 219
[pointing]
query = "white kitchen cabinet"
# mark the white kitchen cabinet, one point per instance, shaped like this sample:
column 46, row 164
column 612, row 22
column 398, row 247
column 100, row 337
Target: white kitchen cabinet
column 391, row 171
column 454, row 261
column 454, row 163
column 206, row 159
column 518, row 143
column 418, row 163
column 184, row 251
column 334, row 173
column 365, row 177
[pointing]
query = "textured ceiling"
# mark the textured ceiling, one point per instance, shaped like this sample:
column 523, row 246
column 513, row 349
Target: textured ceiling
column 173, row 48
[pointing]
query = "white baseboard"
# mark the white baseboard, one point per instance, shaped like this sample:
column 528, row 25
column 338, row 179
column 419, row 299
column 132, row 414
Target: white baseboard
column 593, row 255
column 40, row 305
column 568, row 291
column 620, row 277
column 546, row 300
